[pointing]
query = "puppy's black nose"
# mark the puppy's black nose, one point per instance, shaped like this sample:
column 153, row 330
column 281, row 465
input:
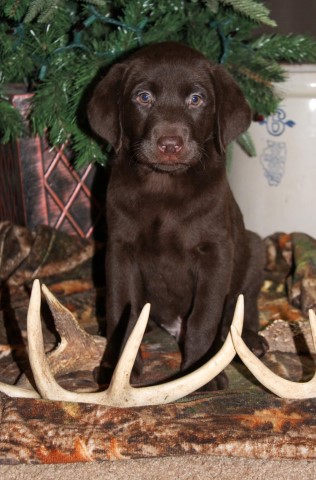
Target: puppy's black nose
column 170, row 145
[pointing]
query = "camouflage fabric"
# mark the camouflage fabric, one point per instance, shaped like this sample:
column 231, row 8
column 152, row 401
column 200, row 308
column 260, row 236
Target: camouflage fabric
column 245, row 420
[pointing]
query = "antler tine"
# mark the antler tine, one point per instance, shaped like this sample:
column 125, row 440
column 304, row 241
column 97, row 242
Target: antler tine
column 45, row 382
column 18, row 392
column 89, row 350
column 278, row 385
column 120, row 382
column 77, row 350
column 180, row 387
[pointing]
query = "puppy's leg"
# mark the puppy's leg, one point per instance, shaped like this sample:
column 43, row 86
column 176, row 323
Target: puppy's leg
column 203, row 323
column 123, row 304
column 252, row 286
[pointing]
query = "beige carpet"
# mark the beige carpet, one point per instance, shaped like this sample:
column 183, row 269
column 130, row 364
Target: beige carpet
column 184, row 468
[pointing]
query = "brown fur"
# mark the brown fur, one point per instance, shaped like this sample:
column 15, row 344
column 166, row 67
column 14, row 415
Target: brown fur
column 176, row 234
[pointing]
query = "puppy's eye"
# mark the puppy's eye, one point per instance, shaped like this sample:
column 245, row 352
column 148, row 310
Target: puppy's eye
column 144, row 98
column 195, row 100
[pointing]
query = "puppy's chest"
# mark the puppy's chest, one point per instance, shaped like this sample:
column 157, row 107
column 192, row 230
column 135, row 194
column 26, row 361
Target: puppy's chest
column 159, row 230
column 168, row 241
column 162, row 232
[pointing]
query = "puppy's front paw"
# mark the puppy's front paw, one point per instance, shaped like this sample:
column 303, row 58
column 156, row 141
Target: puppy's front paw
column 257, row 343
column 220, row 382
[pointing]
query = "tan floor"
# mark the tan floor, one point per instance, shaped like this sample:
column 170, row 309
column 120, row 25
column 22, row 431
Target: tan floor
column 184, row 468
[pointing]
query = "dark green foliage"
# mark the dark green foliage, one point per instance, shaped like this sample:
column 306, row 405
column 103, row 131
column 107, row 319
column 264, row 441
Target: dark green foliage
column 57, row 48
column 257, row 12
column 11, row 124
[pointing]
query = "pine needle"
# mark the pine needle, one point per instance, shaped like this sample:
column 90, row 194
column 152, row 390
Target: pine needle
column 256, row 12
column 11, row 122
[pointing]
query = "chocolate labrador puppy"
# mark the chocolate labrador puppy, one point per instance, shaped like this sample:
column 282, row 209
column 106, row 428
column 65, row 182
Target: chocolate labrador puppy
column 176, row 236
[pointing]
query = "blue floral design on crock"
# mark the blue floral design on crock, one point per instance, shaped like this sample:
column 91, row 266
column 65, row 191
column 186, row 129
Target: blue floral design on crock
column 273, row 160
column 277, row 123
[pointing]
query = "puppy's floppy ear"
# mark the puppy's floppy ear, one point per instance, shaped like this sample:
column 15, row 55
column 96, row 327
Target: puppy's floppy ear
column 233, row 114
column 104, row 109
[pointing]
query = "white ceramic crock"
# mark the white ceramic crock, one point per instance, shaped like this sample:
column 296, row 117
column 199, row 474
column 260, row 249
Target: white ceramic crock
column 276, row 190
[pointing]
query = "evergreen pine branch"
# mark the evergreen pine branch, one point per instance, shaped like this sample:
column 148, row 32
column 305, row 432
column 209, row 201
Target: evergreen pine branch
column 48, row 13
column 17, row 64
column 254, row 65
column 45, row 11
column 258, row 75
column 11, row 122
column 88, row 150
column 257, row 12
column 38, row 7
column 14, row 9
column 97, row 3
column 213, row 5
column 264, row 104
column 201, row 33
column 286, row 48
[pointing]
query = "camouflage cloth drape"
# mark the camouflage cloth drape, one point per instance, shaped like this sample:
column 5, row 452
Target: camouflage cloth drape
column 242, row 421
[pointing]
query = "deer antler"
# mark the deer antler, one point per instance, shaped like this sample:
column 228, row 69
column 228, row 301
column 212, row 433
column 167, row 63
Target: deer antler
column 120, row 393
column 18, row 392
column 278, row 385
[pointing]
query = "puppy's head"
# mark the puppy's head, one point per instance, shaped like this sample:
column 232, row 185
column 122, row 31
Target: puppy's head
column 168, row 104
